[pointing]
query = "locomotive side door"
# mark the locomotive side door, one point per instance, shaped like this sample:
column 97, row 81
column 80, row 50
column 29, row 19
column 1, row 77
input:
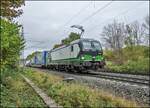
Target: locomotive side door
column 74, row 50
column 71, row 51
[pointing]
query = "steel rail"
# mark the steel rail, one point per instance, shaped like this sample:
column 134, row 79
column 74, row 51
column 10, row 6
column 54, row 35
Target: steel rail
column 126, row 79
column 135, row 77
column 119, row 77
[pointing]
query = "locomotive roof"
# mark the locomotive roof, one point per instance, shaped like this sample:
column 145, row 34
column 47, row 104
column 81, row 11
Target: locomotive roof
column 73, row 42
column 82, row 39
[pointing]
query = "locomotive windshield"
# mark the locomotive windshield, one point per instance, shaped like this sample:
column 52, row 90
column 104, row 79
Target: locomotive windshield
column 96, row 45
column 87, row 45
column 91, row 45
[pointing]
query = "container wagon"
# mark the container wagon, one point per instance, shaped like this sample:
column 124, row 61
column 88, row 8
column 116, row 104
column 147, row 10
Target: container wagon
column 40, row 59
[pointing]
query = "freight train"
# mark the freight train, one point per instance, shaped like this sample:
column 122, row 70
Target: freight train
column 81, row 54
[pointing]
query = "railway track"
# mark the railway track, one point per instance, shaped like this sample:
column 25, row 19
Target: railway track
column 126, row 78
column 132, row 79
column 119, row 77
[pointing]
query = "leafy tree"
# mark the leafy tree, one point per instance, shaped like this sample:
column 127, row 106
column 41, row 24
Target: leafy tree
column 11, row 43
column 10, row 8
column 30, row 56
column 57, row 45
column 65, row 41
column 73, row 36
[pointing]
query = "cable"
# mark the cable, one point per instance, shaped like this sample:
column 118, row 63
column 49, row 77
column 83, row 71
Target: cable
column 75, row 15
column 35, row 41
column 124, row 12
column 99, row 10
column 78, row 13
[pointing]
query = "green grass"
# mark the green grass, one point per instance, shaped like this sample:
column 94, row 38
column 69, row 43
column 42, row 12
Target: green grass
column 75, row 94
column 15, row 92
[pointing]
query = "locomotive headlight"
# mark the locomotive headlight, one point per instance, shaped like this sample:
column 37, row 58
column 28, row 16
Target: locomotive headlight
column 93, row 57
column 82, row 58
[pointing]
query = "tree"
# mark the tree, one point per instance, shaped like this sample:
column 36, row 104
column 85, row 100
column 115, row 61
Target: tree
column 146, row 23
column 65, row 41
column 57, row 45
column 113, row 35
column 73, row 36
column 30, row 56
column 11, row 43
column 10, row 8
column 11, row 40
column 146, row 32
column 135, row 34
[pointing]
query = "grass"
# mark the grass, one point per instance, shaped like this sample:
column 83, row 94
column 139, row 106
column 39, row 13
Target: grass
column 15, row 92
column 75, row 94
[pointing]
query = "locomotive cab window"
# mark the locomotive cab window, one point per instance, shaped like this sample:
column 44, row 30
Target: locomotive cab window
column 72, row 48
column 86, row 45
column 97, row 45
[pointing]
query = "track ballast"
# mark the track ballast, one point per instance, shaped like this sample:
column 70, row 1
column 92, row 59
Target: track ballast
column 126, row 78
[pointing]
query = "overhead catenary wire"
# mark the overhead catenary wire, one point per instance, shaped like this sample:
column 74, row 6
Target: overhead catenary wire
column 122, row 13
column 36, row 45
column 79, row 12
column 100, row 9
column 72, row 18
column 75, row 15
column 94, row 13
column 82, row 10
column 33, row 46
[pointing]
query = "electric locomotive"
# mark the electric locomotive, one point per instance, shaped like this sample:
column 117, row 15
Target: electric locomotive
column 81, row 54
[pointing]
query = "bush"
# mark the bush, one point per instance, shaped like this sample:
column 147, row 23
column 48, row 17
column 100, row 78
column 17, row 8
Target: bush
column 135, row 60
column 135, row 53
column 135, row 67
column 109, row 55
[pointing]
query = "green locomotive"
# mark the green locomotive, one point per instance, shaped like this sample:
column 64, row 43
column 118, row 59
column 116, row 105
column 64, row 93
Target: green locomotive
column 81, row 54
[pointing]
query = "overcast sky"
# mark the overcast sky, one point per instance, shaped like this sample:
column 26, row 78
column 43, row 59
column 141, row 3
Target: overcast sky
column 48, row 22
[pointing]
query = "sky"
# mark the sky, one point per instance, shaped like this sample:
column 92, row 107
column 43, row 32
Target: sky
column 48, row 22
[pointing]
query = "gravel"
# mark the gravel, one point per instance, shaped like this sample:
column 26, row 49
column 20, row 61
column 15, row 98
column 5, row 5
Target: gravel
column 133, row 92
